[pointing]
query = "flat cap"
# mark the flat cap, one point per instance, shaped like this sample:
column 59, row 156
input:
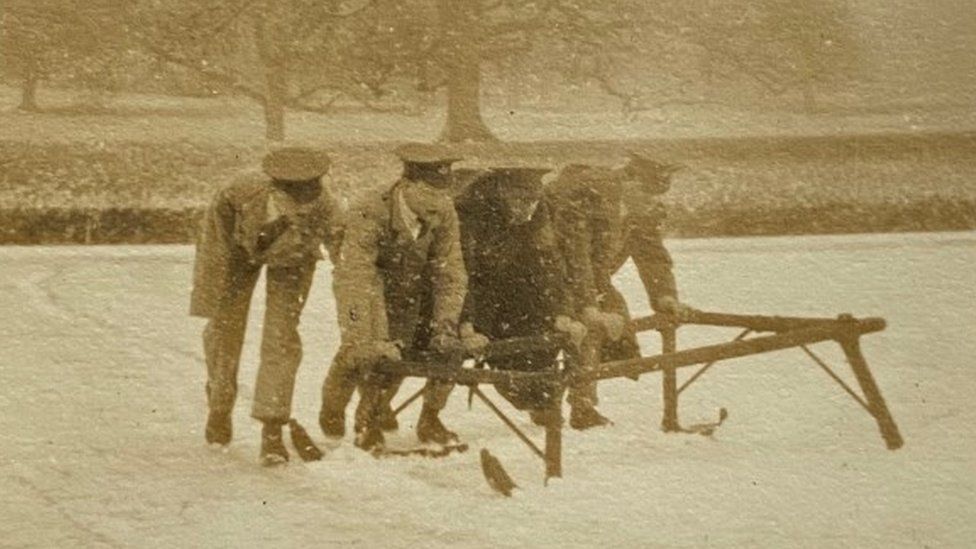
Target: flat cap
column 296, row 164
column 426, row 153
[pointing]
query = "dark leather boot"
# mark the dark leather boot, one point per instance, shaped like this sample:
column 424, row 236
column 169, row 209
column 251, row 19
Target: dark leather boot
column 333, row 423
column 370, row 439
column 586, row 417
column 430, row 428
column 387, row 420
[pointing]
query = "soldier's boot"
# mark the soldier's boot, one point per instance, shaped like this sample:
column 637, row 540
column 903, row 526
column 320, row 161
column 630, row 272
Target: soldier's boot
column 369, row 439
column 430, row 428
column 273, row 451
column 219, row 428
column 585, row 417
column 333, row 423
column 387, row 420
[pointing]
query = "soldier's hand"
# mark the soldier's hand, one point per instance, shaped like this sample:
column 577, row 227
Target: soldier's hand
column 614, row 325
column 575, row 330
column 271, row 212
column 384, row 350
column 472, row 341
column 611, row 324
column 446, row 343
column 670, row 305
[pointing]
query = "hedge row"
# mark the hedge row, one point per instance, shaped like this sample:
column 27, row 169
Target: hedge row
column 178, row 226
column 135, row 192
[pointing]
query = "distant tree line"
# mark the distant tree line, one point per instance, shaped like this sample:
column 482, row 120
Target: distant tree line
column 307, row 55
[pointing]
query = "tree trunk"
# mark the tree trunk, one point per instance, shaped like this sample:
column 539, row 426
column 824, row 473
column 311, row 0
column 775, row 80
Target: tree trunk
column 809, row 96
column 274, row 117
column 276, row 85
column 28, row 91
column 808, row 72
column 462, row 57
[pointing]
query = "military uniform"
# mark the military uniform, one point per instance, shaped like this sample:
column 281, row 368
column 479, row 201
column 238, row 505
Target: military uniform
column 597, row 235
column 517, row 279
column 400, row 279
column 256, row 221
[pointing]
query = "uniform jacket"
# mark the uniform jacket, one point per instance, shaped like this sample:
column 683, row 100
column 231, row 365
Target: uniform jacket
column 517, row 275
column 597, row 237
column 228, row 241
column 392, row 286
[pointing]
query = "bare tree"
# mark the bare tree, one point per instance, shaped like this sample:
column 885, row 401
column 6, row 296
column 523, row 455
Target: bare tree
column 782, row 45
column 72, row 41
column 454, row 40
column 283, row 54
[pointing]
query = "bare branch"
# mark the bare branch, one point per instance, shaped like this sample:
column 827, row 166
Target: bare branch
column 230, row 80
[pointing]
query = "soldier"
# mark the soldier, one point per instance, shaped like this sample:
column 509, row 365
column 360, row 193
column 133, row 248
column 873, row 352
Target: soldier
column 399, row 286
column 603, row 217
column 517, row 278
column 279, row 219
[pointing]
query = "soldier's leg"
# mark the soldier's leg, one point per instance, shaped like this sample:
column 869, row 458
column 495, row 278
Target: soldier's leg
column 372, row 399
column 626, row 347
column 223, row 338
column 281, row 345
column 582, row 396
column 387, row 419
column 337, row 389
column 429, row 426
column 379, row 407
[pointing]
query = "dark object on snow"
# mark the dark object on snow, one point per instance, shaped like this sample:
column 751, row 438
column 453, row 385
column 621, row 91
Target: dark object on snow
column 307, row 450
column 495, row 474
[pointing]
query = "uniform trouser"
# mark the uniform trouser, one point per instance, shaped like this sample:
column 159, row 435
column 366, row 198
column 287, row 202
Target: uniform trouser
column 596, row 351
column 375, row 391
column 281, row 345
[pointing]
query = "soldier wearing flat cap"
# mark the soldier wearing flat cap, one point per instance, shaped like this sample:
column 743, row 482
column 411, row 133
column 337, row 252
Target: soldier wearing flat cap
column 399, row 286
column 517, row 278
column 279, row 219
column 603, row 216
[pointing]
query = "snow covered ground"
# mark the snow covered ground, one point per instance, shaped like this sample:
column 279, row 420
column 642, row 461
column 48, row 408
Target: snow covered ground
column 102, row 408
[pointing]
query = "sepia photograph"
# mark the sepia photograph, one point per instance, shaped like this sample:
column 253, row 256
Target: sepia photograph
column 488, row 273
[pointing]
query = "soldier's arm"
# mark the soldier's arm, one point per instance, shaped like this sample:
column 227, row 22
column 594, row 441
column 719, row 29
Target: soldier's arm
column 469, row 249
column 215, row 253
column 653, row 262
column 336, row 212
column 557, row 293
column 575, row 242
column 450, row 279
column 357, row 283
